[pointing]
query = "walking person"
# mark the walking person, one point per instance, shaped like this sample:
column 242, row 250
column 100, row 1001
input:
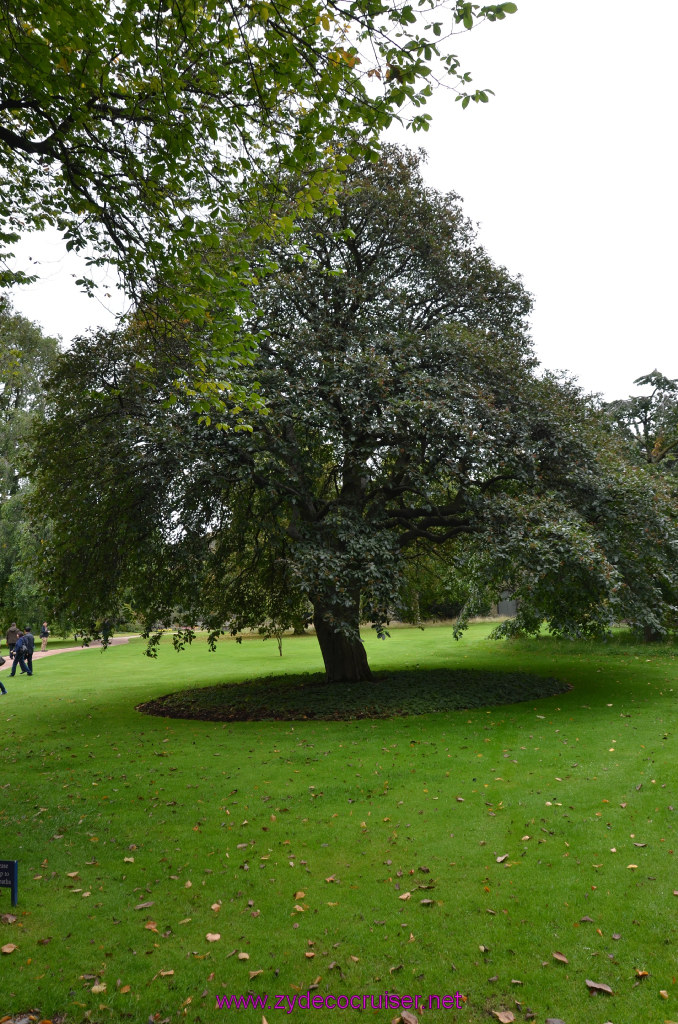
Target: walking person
column 12, row 637
column 29, row 647
column 3, row 691
column 20, row 656
column 44, row 633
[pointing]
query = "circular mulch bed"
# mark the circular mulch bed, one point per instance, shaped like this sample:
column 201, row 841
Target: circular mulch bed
column 294, row 698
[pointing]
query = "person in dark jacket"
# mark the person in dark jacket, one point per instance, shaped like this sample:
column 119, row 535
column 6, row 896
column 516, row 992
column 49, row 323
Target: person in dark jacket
column 20, row 653
column 44, row 633
column 18, row 656
column 29, row 647
column 12, row 637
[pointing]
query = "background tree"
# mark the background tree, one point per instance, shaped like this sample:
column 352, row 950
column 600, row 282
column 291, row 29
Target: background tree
column 648, row 427
column 403, row 416
column 147, row 131
column 437, row 584
column 26, row 357
column 650, row 422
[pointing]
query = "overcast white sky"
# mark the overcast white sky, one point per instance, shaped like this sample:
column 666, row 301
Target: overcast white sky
column 570, row 171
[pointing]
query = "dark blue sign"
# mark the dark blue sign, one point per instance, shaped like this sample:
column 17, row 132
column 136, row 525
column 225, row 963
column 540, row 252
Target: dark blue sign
column 9, row 878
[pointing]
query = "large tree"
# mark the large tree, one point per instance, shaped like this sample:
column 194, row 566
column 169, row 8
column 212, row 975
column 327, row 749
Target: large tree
column 146, row 131
column 404, row 424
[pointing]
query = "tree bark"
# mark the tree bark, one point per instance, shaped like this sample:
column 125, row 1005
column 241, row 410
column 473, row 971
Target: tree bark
column 344, row 656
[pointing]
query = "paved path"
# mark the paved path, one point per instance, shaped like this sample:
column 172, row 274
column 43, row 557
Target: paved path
column 65, row 650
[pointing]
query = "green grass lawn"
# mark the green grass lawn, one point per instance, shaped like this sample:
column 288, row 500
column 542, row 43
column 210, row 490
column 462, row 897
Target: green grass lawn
column 297, row 842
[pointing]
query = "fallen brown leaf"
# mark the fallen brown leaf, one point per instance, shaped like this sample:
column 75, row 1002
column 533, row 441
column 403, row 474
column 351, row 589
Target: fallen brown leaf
column 595, row 986
column 9, row 947
column 505, row 1016
column 560, row 958
column 213, row 936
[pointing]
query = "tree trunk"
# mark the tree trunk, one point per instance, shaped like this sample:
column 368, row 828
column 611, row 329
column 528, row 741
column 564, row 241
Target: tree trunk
column 344, row 656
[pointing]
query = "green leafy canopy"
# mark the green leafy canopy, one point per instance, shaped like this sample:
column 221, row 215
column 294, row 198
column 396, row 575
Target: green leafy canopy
column 148, row 130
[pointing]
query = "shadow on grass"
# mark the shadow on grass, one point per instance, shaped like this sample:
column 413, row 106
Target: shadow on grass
column 310, row 696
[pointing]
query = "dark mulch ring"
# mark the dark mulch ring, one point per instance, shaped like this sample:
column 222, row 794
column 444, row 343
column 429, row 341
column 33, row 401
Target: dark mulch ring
column 298, row 697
